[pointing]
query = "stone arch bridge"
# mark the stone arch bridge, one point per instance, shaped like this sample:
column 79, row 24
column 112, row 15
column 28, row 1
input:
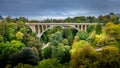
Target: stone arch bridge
column 40, row 28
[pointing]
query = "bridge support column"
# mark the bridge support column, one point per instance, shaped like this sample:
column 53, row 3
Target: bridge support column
column 85, row 27
column 46, row 27
column 78, row 27
column 81, row 27
column 38, row 29
column 42, row 28
column 33, row 28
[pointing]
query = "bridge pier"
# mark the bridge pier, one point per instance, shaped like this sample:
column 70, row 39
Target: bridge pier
column 33, row 28
column 38, row 29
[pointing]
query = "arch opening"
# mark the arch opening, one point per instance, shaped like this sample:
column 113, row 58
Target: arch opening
column 44, row 37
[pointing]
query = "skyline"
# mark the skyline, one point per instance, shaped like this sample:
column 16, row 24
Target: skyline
column 42, row 9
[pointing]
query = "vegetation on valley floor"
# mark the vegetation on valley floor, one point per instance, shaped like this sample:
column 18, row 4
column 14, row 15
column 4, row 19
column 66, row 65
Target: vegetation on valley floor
column 68, row 48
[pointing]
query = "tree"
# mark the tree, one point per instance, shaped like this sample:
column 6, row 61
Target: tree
column 12, row 47
column 109, row 57
column 22, row 19
column 20, row 65
column 68, row 20
column 100, row 40
column 91, row 38
column 9, row 19
column 1, row 39
column 65, row 42
column 90, row 29
column 112, row 32
column 33, row 21
column 76, row 39
column 49, row 63
column 61, row 53
column 8, row 49
column 30, row 41
column 98, row 28
column 56, row 38
column 100, row 18
column 82, row 35
column 19, row 35
column 83, row 55
column 47, row 52
column 26, row 56
column 68, row 34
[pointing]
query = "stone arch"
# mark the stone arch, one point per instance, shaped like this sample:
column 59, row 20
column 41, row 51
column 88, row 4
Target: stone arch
column 51, row 27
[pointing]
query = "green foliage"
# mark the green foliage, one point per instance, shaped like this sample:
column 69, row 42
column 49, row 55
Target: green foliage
column 47, row 34
column 87, row 19
column 77, row 45
column 90, row 28
column 68, row 20
column 91, row 38
column 20, row 65
column 109, row 57
column 83, row 55
column 76, row 39
column 1, row 39
column 33, row 42
column 11, row 35
column 47, row 52
column 35, row 50
column 22, row 19
column 8, row 49
column 67, row 33
column 8, row 66
column 19, row 35
column 49, row 63
column 56, row 38
column 112, row 32
column 110, row 17
column 9, row 19
column 14, row 36
column 61, row 53
column 100, row 40
column 12, row 47
column 65, row 42
column 19, row 45
column 82, row 35
column 98, row 28
column 26, row 56
column 9, row 30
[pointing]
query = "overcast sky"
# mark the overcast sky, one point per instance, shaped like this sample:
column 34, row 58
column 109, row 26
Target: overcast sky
column 40, row 9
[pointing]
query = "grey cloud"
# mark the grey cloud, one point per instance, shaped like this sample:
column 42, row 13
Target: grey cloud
column 58, row 7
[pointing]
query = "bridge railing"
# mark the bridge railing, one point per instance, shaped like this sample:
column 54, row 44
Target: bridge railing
column 61, row 23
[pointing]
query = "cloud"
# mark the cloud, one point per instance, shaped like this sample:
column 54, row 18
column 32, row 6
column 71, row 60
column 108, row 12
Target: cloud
column 61, row 8
column 45, row 17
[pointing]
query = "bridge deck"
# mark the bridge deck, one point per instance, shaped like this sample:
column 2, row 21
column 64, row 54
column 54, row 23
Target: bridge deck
column 61, row 23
